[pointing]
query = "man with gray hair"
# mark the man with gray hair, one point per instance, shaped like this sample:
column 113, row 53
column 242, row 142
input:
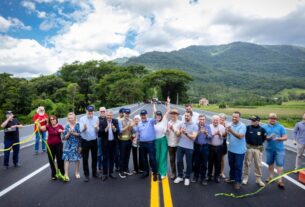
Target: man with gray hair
column 218, row 132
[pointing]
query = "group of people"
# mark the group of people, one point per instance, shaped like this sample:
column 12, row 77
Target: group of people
column 203, row 146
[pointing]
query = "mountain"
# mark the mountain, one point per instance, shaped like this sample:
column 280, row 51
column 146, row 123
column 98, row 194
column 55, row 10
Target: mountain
column 233, row 69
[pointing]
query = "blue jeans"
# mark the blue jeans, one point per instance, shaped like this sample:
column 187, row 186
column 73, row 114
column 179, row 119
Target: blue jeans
column 236, row 166
column 181, row 151
column 43, row 145
column 99, row 153
column 201, row 154
column 7, row 144
column 148, row 149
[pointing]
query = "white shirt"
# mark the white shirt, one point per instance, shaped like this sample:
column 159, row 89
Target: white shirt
column 217, row 140
column 161, row 128
column 172, row 139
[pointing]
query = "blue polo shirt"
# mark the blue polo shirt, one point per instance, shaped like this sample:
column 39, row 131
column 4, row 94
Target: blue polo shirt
column 278, row 131
column 237, row 146
column 146, row 130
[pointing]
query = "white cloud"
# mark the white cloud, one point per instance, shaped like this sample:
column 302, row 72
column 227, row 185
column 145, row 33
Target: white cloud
column 98, row 29
column 12, row 23
column 29, row 5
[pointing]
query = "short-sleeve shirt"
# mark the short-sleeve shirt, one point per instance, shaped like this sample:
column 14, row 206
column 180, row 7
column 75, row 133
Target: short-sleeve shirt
column 277, row 130
column 184, row 141
column 11, row 133
column 40, row 118
column 161, row 128
column 146, row 130
column 54, row 136
column 236, row 145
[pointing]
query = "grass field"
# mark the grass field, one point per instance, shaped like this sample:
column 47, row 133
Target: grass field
column 289, row 112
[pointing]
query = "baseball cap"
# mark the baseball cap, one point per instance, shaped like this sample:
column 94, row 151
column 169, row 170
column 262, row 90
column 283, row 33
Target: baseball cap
column 122, row 110
column 90, row 108
column 143, row 112
column 127, row 111
column 255, row 118
column 159, row 113
column 8, row 112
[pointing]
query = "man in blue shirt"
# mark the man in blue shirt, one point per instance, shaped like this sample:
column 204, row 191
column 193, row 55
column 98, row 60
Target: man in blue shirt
column 275, row 149
column 201, row 150
column 89, row 125
column 299, row 137
column 147, row 136
column 236, row 149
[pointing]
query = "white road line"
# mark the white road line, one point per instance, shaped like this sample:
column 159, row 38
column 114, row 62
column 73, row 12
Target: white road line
column 288, row 178
column 16, row 184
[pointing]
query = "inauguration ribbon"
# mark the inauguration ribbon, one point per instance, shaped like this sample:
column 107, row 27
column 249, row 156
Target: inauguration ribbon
column 232, row 195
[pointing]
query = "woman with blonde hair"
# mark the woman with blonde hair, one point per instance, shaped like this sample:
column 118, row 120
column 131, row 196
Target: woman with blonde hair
column 72, row 146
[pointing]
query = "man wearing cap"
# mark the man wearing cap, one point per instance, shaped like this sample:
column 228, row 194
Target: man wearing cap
column 255, row 137
column 275, row 149
column 125, row 144
column 173, row 139
column 11, row 136
column 101, row 118
column 299, row 137
column 89, row 126
column 146, row 132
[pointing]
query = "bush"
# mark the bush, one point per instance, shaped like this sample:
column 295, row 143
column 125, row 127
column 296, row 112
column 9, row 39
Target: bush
column 222, row 106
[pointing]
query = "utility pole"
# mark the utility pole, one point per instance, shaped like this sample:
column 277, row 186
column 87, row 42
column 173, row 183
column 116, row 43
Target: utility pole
column 177, row 102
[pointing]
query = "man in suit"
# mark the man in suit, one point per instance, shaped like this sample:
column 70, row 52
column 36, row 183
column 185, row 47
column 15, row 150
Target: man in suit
column 109, row 130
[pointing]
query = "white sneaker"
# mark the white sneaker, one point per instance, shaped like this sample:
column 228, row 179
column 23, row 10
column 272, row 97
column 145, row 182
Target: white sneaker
column 178, row 180
column 245, row 180
column 162, row 177
column 186, row 182
column 260, row 182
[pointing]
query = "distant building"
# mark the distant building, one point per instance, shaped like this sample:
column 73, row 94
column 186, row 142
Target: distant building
column 204, row 102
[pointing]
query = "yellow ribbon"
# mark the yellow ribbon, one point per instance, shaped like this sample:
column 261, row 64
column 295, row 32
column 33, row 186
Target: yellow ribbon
column 232, row 195
column 29, row 138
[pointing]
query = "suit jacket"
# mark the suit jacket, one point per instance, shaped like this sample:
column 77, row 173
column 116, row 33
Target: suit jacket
column 104, row 135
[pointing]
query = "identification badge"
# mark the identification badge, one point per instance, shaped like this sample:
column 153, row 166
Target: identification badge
column 259, row 133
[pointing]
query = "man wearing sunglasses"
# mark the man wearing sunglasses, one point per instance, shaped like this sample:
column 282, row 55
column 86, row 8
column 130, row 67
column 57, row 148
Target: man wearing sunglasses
column 275, row 149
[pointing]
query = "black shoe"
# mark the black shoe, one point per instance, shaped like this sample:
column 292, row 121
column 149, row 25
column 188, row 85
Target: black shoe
column 217, row 180
column 5, row 167
column 194, row 179
column 95, row 175
column 104, row 178
column 86, row 179
column 112, row 176
column 17, row 165
column 145, row 175
column 128, row 173
column 209, row 178
column 117, row 170
column 204, row 182
column 155, row 177
column 140, row 171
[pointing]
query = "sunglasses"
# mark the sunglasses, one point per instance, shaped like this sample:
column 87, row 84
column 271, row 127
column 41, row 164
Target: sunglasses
column 52, row 119
column 102, row 111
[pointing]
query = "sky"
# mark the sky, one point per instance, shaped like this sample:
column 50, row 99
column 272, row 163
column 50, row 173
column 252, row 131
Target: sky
column 38, row 36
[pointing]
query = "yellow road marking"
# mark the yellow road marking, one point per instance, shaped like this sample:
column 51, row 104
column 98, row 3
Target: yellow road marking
column 154, row 193
column 167, row 193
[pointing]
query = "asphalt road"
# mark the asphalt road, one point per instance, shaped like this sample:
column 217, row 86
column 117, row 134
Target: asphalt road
column 30, row 185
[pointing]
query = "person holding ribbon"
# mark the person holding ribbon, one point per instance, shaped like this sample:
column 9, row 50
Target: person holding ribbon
column 40, row 119
column 11, row 137
column 55, row 145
